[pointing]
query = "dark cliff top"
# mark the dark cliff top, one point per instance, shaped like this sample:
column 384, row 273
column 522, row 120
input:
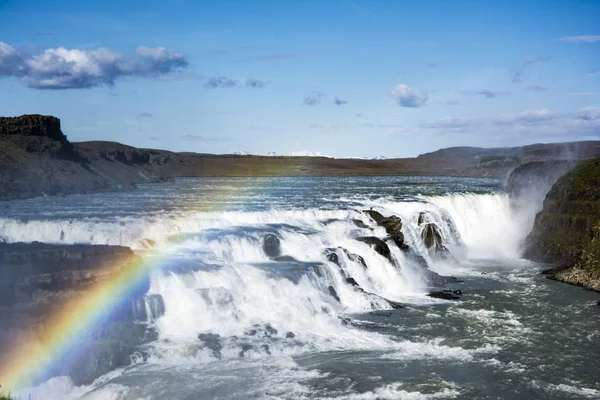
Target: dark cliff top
column 32, row 125
column 582, row 183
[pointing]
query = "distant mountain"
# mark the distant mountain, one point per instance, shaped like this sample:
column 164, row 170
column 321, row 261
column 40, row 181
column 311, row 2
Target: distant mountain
column 273, row 154
column 240, row 153
column 379, row 158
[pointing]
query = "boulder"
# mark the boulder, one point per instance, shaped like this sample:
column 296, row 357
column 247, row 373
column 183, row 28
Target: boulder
column 360, row 224
column 212, row 341
column 445, row 294
column 433, row 239
column 392, row 225
column 378, row 245
column 271, row 245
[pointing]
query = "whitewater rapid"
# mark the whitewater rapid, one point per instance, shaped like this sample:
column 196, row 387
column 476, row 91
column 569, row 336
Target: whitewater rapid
column 226, row 300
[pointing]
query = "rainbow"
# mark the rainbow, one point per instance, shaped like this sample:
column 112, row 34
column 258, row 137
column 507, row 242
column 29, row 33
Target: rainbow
column 31, row 359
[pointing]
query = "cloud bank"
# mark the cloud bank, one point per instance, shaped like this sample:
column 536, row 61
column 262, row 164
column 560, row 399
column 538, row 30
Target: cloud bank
column 62, row 68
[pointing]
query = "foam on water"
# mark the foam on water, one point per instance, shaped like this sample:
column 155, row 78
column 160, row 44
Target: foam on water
column 215, row 279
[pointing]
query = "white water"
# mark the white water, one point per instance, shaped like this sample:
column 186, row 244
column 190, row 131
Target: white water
column 215, row 278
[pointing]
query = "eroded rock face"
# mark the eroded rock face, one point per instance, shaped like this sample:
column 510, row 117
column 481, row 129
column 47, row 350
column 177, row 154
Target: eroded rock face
column 392, row 225
column 38, row 279
column 378, row 245
column 571, row 210
column 567, row 230
column 40, row 134
column 32, row 125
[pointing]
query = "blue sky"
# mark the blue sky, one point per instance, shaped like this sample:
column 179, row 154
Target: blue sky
column 343, row 78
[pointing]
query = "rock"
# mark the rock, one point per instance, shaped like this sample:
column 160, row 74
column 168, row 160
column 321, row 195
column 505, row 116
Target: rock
column 244, row 348
column 394, row 304
column 332, row 256
column 352, row 281
column 290, row 335
column 355, row 258
column 392, row 225
column 443, row 294
column 212, row 341
column 375, row 215
column 378, row 245
column 156, row 305
column 421, row 218
column 270, row 331
column 567, row 230
column 333, row 293
column 250, row 332
column 271, row 245
column 265, row 347
column 283, row 258
column 360, row 224
column 432, row 238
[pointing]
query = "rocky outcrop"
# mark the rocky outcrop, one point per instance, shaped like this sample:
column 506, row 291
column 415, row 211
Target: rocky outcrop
column 38, row 134
column 567, row 231
column 38, row 280
column 392, row 225
column 432, row 238
column 378, row 245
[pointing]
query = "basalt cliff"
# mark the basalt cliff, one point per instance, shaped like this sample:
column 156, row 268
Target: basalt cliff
column 567, row 231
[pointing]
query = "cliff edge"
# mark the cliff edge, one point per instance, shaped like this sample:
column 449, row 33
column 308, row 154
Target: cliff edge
column 567, row 231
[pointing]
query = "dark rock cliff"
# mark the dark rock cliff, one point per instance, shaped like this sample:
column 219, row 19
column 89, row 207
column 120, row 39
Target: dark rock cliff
column 567, row 231
column 37, row 159
column 37, row 280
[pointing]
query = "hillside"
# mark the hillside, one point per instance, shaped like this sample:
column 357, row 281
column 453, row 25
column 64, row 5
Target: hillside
column 36, row 158
column 567, row 230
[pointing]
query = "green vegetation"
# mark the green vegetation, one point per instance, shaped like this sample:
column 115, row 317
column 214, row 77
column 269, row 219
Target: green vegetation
column 582, row 183
column 567, row 231
column 589, row 259
column 6, row 396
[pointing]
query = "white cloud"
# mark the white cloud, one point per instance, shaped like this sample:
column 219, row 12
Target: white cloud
column 61, row 68
column 406, row 97
column 450, row 124
column 528, row 117
column 581, row 39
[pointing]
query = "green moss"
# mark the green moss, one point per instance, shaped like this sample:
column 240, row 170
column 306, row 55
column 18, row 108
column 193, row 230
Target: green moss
column 589, row 259
column 581, row 183
column 563, row 232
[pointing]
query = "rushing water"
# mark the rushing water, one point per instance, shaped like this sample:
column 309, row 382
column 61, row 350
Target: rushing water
column 282, row 335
